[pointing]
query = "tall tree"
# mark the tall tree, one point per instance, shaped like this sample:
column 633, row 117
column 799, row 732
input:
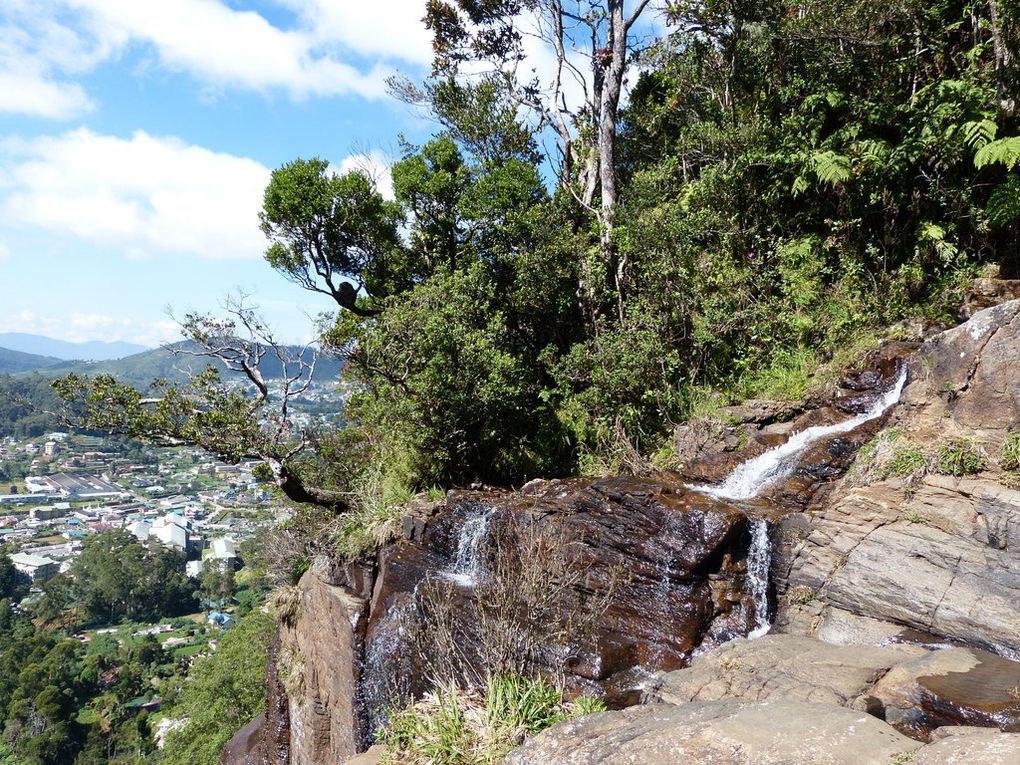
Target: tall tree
column 592, row 43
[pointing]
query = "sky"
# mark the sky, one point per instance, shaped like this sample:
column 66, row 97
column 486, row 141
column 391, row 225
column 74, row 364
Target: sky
column 137, row 137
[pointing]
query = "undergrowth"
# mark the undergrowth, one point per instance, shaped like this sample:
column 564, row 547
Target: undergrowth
column 452, row 726
column 1009, row 459
column 891, row 455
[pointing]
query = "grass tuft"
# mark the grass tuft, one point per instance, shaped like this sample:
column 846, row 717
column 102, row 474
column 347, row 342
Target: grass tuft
column 958, row 458
column 456, row 727
column 1010, row 457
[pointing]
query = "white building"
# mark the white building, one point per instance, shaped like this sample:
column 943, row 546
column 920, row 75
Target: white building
column 34, row 568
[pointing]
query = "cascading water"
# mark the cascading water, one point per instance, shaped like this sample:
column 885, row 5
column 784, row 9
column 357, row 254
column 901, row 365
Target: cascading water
column 759, row 562
column 749, row 478
column 385, row 663
column 469, row 561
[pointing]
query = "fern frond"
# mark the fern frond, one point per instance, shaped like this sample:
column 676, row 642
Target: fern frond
column 1004, row 151
column 979, row 133
column 830, row 167
column 1004, row 203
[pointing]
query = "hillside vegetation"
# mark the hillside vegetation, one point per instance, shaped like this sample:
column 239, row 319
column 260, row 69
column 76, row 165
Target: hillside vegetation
column 785, row 181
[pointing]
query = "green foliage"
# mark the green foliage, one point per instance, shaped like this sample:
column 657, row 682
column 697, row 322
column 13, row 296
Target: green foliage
column 116, row 577
column 1009, row 459
column 222, row 694
column 908, row 461
column 325, row 228
column 958, row 458
column 792, row 180
column 454, row 727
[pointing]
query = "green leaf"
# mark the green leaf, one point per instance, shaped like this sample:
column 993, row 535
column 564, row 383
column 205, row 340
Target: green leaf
column 1005, row 151
column 1004, row 203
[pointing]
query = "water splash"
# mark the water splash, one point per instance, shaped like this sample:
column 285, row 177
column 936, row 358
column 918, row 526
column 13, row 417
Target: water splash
column 749, row 478
column 759, row 564
column 469, row 561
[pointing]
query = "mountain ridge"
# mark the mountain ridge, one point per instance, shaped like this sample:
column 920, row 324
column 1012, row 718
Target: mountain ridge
column 64, row 350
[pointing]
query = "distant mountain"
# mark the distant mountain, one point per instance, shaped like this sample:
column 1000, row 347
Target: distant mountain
column 16, row 361
column 94, row 350
column 140, row 369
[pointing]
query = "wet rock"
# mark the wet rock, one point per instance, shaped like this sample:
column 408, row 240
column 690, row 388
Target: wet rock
column 718, row 733
column 952, row 686
column 245, row 748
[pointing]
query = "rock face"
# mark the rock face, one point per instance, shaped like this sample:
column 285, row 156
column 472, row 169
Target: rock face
column 726, row 732
column 913, row 688
column 942, row 555
column 730, row 732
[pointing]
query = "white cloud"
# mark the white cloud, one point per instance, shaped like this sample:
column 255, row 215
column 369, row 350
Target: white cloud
column 30, row 92
column 376, row 166
column 333, row 47
column 389, row 28
column 82, row 327
column 227, row 47
column 142, row 195
column 37, row 53
column 145, row 195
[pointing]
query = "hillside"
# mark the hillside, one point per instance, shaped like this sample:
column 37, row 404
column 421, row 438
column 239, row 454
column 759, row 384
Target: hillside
column 95, row 350
column 12, row 361
column 139, row 369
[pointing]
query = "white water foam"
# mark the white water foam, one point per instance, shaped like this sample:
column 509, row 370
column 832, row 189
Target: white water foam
column 469, row 561
column 749, row 478
column 759, row 563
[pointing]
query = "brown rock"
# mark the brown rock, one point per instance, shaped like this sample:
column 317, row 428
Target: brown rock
column 718, row 733
column 319, row 663
column 783, row 668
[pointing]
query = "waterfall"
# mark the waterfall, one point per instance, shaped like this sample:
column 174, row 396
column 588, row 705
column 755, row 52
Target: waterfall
column 386, row 662
column 469, row 561
column 749, row 478
column 759, row 562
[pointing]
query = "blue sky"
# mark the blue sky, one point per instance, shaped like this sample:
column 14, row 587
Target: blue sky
column 136, row 137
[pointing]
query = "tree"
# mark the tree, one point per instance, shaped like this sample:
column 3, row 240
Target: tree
column 205, row 411
column 592, row 44
column 223, row 693
column 8, row 576
column 329, row 233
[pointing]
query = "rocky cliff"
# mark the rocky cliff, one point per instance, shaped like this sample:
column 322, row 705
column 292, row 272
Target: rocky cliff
column 897, row 586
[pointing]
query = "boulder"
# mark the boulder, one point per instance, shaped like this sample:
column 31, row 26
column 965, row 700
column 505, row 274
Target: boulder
column 983, row 748
column 726, row 732
column 784, row 668
column 913, row 688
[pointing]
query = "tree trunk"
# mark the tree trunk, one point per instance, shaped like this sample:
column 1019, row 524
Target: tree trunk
column 612, row 88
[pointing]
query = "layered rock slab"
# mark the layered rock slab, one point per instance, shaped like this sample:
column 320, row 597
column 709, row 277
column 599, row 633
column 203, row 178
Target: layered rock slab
column 942, row 554
column 726, row 732
column 914, row 689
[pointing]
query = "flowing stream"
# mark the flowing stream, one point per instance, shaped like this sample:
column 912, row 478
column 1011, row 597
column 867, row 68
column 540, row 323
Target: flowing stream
column 749, row 478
